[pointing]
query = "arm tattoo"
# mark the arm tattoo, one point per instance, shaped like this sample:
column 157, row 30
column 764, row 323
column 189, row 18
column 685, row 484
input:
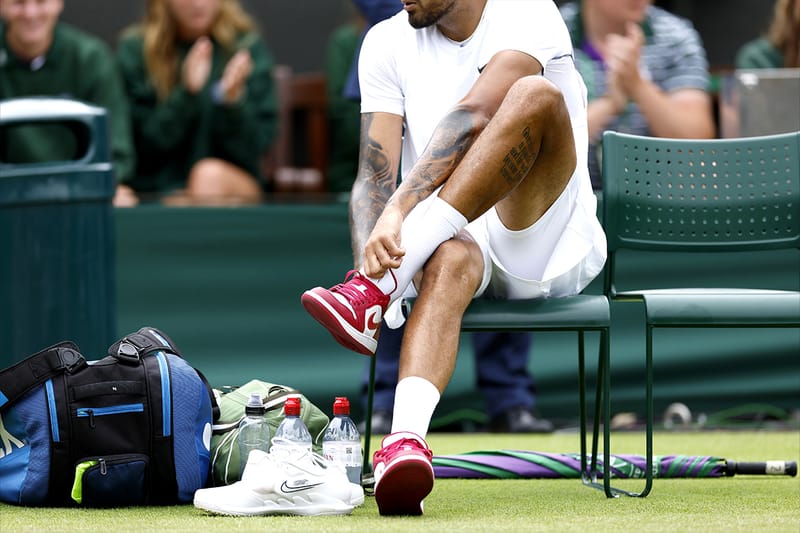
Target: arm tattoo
column 375, row 183
column 450, row 141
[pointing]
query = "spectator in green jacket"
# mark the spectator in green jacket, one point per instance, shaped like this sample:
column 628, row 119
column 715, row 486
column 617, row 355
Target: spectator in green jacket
column 41, row 56
column 780, row 47
column 203, row 105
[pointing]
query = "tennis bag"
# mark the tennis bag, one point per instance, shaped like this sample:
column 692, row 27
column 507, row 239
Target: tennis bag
column 133, row 428
column 225, row 461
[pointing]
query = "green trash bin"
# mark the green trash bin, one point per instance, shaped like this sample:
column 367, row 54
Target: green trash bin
column 56, row 231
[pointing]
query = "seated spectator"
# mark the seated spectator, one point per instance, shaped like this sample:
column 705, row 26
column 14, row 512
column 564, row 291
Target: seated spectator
column 780, row 47
column 42, row 56
column 645, row 70
column 343, row 113
column 203, row 104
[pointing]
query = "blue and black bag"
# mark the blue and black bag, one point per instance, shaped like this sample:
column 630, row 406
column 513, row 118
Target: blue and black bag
column 133, row 428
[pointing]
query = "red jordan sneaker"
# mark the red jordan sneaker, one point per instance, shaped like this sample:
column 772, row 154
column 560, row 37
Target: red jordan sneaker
column 352, row 311
column 403, row 474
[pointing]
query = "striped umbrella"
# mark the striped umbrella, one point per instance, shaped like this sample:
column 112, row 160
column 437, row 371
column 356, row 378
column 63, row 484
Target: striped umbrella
column 518, row 464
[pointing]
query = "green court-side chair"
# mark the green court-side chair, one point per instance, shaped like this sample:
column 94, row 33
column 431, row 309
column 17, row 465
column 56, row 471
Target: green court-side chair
column 718, row 195
column 580, row 313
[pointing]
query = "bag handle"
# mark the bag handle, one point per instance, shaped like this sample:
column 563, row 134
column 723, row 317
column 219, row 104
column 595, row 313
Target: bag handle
column 132, row 347
column 34, row 370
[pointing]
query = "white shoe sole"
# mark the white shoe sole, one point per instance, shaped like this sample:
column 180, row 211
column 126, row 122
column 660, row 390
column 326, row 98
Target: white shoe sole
column 313, row 505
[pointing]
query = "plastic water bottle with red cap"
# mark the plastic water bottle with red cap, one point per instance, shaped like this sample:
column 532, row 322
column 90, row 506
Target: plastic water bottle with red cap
column 292, row 437
column 342, row 441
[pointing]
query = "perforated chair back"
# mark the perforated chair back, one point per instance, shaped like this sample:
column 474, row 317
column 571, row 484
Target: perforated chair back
column 715, row 195
column 700, row 195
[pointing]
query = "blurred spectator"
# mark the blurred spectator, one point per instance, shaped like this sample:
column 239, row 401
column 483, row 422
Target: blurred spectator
column 343, row 112
column 203, row 104
column 373, row 12
column 780, row 47
column 41, row 56
column 645, row 70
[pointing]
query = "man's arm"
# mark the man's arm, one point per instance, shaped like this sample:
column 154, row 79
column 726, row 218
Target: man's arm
column 685, row 113
column 378, row 165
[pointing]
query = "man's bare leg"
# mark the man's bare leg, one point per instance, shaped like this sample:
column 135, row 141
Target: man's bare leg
column 403, row 464
column 521, row 162
column 430, row 344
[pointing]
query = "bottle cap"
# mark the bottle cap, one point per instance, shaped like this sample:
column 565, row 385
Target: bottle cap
column 292, row 406
column 254, row 405
column 341, row 406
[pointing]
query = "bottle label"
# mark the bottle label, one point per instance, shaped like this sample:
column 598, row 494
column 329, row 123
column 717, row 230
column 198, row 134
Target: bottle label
column 344, row 453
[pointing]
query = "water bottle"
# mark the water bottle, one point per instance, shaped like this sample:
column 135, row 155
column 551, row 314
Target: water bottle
column 342, row 442
column 292, row 437
column 253, row 430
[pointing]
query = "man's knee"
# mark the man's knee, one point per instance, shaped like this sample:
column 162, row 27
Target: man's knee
column 456, row 265
column 536, row 96
column 205, row 176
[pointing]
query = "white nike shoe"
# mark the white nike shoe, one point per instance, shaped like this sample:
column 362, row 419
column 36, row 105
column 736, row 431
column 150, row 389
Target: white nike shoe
column 306, row 484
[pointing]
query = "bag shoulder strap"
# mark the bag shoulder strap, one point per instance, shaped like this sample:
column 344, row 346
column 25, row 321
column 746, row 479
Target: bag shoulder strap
column 34, row 370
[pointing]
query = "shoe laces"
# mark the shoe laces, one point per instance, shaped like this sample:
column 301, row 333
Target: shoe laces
column 405, row 443
column 354, row 295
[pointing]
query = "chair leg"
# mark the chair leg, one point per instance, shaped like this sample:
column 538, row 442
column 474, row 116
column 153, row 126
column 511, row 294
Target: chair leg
column 602, row 405
column 366, row 467
column 604, row 373
column 648, row 475
column 649, row 421
column 586, row 474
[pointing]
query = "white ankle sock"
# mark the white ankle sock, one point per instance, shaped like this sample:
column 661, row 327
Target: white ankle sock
column 415, row 399
column 423, row 230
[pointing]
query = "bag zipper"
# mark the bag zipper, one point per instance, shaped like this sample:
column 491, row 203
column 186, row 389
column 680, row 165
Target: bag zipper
column 91, row 412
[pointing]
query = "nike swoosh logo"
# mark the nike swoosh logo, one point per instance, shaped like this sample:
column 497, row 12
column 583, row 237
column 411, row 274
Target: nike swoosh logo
column 285, row 488
column 480, row 69
column 373, row 319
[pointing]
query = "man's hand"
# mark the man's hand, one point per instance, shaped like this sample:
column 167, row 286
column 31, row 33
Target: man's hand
column 615, row 93
column 622, row 57
column 197, row 65
column 235, row 75
column 383, row 250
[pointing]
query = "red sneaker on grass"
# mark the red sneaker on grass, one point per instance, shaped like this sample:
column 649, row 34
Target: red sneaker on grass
column 403, row 474
column 352, row 311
